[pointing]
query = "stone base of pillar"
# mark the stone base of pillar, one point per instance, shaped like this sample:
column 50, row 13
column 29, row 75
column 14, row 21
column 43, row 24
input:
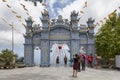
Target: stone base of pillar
column 45, row 65
column 29, row 65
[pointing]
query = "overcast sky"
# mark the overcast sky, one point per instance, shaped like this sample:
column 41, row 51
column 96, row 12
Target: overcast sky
column 98, row 9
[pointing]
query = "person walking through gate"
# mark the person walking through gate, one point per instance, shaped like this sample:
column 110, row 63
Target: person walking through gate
column 75, row 65
column 65, row 61
column 57, row 61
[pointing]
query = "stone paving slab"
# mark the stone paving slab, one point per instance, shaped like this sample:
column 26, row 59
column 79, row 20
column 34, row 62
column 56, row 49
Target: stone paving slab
column 57, row 73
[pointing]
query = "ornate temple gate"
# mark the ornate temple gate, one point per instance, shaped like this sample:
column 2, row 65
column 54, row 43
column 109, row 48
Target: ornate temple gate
column 59, row 31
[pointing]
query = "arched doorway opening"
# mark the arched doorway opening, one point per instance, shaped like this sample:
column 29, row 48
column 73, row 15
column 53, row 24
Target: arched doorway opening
column 60, row 50
column 37, row 56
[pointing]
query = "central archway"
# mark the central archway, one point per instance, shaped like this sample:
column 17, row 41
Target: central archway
column 60, row 50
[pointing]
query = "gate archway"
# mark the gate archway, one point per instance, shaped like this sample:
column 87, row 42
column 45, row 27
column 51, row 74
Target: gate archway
column 60, row 31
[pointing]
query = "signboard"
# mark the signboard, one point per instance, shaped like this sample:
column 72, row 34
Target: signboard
column 117, row 61
column 83, row 41
column 59, row 37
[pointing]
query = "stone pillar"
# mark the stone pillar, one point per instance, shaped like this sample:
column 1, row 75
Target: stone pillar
column 28, row 55
column 74, row 47
column 45, row 53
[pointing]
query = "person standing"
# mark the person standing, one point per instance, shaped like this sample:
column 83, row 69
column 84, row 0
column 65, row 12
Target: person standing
column 57, row 61
column 96, row 62
column 83, row 62
column 75, row 65
column 65, row 61
column 79, row 63
column 90, row 60
column 71, row 62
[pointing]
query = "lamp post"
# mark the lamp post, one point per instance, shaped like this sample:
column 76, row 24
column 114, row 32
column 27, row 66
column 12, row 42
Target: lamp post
column 87, row 44
column 12, row 37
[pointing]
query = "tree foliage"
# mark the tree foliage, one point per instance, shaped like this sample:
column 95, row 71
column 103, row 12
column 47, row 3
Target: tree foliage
column 7, row 56
column 108, row 38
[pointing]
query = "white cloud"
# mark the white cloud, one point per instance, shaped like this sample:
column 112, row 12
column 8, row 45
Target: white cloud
column 50, row 5
column 97, row 9
column 6, row 37
column 10, row 17
column 76, row 5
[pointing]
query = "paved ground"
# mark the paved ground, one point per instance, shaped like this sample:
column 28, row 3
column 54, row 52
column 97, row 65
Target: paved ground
column 57, row 73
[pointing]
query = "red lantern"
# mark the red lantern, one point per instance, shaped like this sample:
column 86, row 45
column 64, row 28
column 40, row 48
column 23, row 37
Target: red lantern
column 37, row 48
column 59, row 47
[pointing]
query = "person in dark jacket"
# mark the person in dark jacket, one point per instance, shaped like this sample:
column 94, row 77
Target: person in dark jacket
column 83, row 62
column 79, row 64
column 75, row 65
column 57, row 61
column 65, row 61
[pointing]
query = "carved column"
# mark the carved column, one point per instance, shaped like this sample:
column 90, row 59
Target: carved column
column 28, row 54
column 45, row 55
column 74, row 47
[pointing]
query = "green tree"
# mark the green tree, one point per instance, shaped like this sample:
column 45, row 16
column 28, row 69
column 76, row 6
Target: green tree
column 7, row 56
column 108, row 38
